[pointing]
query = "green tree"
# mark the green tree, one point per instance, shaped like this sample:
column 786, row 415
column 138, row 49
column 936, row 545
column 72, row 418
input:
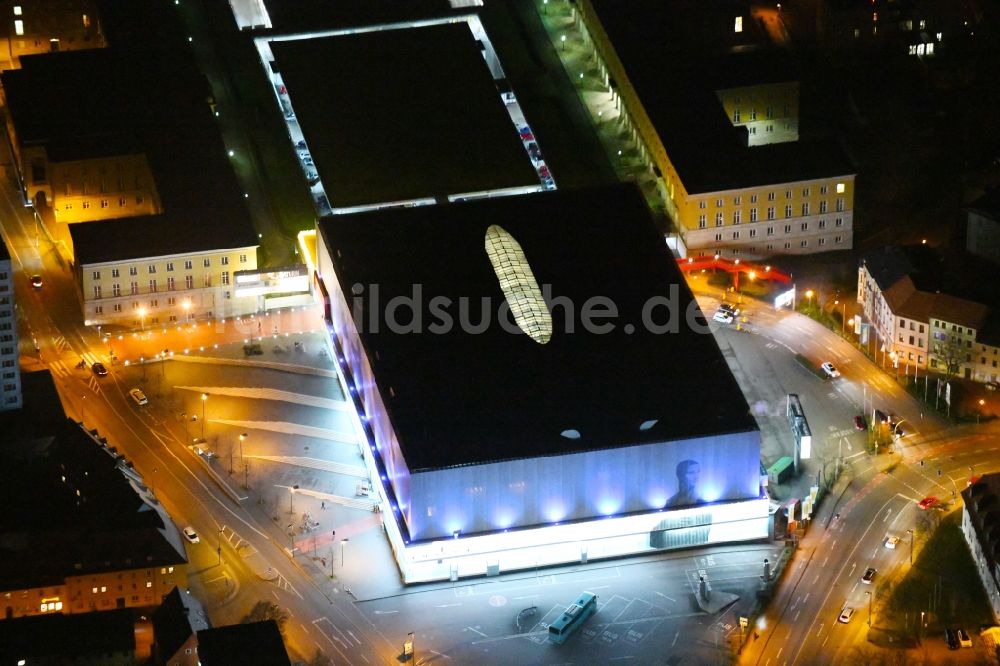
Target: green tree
column 266, row 610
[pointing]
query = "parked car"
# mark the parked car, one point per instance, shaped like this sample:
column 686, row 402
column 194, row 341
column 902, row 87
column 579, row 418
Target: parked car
column 963, row 638
column 830, row 370
column 190, row 534
column 927, row 502
column 846, row 614
column 951, row 637
column 891, row 541
column 723, row 317
column 859, row 423
column 36, row 281
column 991, row 386
column 880, row 416
column 138, row 396
column 99, row 370
column 869, row 575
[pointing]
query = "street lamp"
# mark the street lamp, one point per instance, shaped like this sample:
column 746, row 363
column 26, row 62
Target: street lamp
column 242, row 437
column 186, row 304
column 843, row 316
column 204, row 399
column 563, row 40
column 343, row 542
column 869, row 595
column 142, row 319
column 809, row 295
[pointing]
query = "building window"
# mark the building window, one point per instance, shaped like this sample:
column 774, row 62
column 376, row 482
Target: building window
column 753, row 233
column 770, row 231
column 753, row 214
column 838, row 239
column 86, row 204
column 718, row 237
column 823, row 189
column 822, row 206
column 188, row 282
column 152, row 269
column 225, row 261
column 18, row 27
column 208, row 280
column 154, row 304
column 718, row 220
column 769, row 111
column 225, row 277
column 187, row 265
column 737, row 200
column 804, row 243
column 736, row 235
column 788, row 228
column 122, row 202
column 152, row 286
column 99, row 310
column 207, row 262
column 822, row 224
column 170, row 283
column 114, row 272
column 788, row 194
column 134, row 288
column 788, row 246
column 839, row 222
column 702, row 222
column 104, row 203
column 770, row 212
column 840, row 204
column 788, row 211
column 805, row 191
column 736, row 116
column 770, row 196
column 97, row 291
column 840, row 188
column 116, row 289
column 171, row 301
column 738, row 24
column 753, row 198
column 118, row 307
column 737, row 217
column 805, row 208
column 701, row 204
column 96, row 275
column 822, row 241
column 804, row 226
column 132, row 270
column 170, row 266
column 718, row 203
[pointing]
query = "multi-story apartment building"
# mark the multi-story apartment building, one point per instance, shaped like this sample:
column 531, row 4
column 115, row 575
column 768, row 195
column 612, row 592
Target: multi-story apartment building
column 10, row 373
column 915, row 325
column 718, row 126
column 981, row 528
column 982, row 226
column 123, row 285
column 28, row 27
column 133, row 179
column 82, row 531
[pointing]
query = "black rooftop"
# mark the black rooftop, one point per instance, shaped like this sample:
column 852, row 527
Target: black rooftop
column 79, row 638
column 142, row 94
column 988, row 204
column 69, row 510
column 402, row 114
column 705, row 54
column 460, row 398
column 315, row 14
column 255, row 644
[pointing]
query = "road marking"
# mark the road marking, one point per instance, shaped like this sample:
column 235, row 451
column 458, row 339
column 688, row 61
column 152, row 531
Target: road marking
column 440, row 654
column 275, row 594
column 820, row 630
column 351, row 634
column 527, row 596
column 382, row 612
column 446, row 605
column 477, row 631
column 674, row 642
column 665, row 596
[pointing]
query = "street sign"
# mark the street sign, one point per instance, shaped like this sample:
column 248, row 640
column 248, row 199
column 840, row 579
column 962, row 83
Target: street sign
column 408, row 647
column 744, row 622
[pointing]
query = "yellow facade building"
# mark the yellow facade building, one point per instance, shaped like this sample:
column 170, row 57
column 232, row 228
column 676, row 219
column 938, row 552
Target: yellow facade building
column 28, row 27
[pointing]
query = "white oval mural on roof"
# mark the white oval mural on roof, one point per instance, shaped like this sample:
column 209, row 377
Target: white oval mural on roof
column 518, row 283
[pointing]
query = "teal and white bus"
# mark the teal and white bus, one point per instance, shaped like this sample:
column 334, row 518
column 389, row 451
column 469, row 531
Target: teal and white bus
column 572, row 617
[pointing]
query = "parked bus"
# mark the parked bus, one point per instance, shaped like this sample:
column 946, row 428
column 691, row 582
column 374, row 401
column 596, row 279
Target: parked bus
column 572, row 617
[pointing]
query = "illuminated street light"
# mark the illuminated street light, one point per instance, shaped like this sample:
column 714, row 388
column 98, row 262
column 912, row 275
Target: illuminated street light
column 563, row 40
column 204, row 399
column 809, row 295
column 843, row 316
column 142, row 319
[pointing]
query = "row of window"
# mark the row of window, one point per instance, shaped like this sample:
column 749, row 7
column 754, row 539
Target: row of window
column 768, row 113
column 116, row 288
column 771, row 196
column 770, row 246
column 788, row 229
column 738, row 218
column 151, row 268
column 106, row 203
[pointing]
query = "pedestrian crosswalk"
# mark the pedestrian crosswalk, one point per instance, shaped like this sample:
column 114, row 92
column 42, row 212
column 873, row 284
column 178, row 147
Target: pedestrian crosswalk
column 67, row 368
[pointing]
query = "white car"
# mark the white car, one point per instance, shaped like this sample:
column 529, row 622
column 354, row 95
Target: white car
column 890, row 542
column 138, row 396
column 830, row 371
column 190, row 534
column 723, row 317
column 846, row 614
